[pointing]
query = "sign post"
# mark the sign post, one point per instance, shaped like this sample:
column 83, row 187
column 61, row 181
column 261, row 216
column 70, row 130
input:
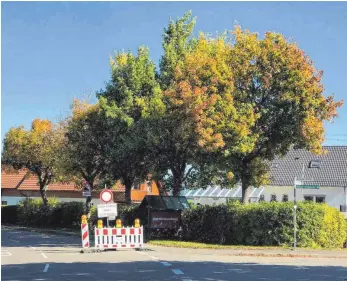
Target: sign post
column 295, row 207
column 107, row 210
column 299, row 184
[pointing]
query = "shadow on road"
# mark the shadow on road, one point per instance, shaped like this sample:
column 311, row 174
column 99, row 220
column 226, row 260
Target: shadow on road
column 156, row 271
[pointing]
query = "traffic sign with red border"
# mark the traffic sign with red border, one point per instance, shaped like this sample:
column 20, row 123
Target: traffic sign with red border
column 106, row 196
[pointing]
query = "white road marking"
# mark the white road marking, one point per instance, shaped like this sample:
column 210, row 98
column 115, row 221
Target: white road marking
column 146, row 270
column 186, row 279
column 16, row 241
column 115, row 271
column 83, row 274
column 44, row 255
column 165, row 263
column 46, row 268
column 177, row 271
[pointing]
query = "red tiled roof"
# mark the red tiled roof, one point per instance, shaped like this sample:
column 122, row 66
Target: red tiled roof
column 21, row 180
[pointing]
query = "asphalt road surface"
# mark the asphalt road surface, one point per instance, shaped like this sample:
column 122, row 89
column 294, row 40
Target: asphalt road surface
column 45, row 257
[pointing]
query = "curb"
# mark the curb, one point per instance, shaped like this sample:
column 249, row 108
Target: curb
column 249, row 253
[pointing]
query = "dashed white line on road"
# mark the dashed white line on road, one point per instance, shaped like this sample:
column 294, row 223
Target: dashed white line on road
column 186, row 279
column 146, row 270
column 16, row 241
column 46, row 268
column 177, row 271
column 44, row 255
column 165, row 263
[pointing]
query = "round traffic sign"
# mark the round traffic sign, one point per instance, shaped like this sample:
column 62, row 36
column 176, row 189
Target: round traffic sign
column 106, row 196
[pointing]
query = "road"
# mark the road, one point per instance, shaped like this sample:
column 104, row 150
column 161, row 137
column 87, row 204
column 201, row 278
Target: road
column 46, row 257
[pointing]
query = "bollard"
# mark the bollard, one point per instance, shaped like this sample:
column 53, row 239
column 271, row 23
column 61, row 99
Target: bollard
column 100, row 224
column 137, row 223
column 118, row 223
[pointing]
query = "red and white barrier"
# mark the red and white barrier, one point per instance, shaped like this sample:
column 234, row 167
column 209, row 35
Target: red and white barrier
column 85, row 235
column 123, row 238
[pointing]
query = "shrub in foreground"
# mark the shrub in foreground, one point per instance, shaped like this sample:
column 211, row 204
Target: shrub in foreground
column 265, row 224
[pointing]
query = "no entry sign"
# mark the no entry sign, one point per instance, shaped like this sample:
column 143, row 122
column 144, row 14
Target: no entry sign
column 106, row 196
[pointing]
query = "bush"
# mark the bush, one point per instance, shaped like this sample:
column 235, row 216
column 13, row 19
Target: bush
column 265, row 224
column 32, row 212
column 9, row 214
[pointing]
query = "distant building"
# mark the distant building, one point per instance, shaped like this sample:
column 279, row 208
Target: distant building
column 16, row 187
column 328, row 171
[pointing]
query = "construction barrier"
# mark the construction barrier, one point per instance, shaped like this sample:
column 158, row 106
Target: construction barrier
column 85, row 235
column 123, row 238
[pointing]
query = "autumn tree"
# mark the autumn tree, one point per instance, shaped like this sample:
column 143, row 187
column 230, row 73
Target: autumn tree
column 254, row 99
column 131, row 97
column 84, row 154
column 174, row 144
column 36, row 150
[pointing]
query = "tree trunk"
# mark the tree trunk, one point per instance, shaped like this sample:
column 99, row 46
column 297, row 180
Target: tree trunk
column 246, row 192
column 44, row 195
column 89, row 199
column 162, row 190
column 177, row 183
column 128, row 185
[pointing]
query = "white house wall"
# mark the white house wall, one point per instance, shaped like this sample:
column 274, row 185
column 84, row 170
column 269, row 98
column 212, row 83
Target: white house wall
column 334, row 196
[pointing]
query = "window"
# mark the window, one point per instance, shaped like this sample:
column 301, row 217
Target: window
column 315, row 163
column 315, row 198
column 308, row 198
column 285, row 198
column 262, row 198
column 3, row 203
column 273, row 198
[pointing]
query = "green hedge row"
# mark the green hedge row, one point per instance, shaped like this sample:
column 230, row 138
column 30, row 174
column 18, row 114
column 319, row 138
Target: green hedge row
column 32, row 212
column 269, row 224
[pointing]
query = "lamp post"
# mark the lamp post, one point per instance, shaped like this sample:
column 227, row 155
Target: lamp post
column 294, row 216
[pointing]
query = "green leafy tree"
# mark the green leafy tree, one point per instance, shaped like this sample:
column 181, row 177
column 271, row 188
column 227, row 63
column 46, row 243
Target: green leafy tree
column 131, row 97
column 37, row 150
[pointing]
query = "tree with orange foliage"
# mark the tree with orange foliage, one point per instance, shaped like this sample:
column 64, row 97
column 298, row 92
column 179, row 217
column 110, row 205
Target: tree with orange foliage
column 252, row 99
column 36, row 150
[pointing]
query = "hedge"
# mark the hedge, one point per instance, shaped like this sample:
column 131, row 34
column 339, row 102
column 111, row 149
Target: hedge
column 265, row 224
column 32, row 212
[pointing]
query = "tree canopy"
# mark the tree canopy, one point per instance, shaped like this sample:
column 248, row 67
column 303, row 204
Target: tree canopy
column 36, row 150
column 217, row 110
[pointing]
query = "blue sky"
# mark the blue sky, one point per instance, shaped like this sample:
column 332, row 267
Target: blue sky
column 55, row 51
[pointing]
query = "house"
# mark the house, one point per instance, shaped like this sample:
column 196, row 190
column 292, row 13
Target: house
column 325, row 180
column 16, row 186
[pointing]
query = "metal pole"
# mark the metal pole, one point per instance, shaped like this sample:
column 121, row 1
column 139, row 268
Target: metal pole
column 294, row 218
